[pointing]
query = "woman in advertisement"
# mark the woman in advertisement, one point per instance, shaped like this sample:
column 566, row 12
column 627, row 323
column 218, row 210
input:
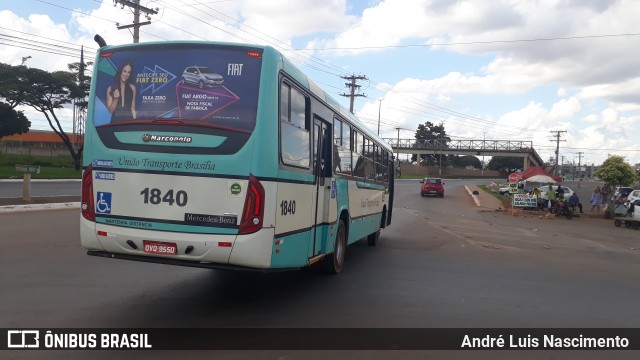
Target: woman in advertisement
column 121, row 95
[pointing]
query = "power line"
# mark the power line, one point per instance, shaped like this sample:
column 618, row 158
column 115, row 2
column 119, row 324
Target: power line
column 473, row 42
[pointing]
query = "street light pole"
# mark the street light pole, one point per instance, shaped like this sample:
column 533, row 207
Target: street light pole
column 441, row 138
column 379, row 107
column 398, row 150
column 484, row 138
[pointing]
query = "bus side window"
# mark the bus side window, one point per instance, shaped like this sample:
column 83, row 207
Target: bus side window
column 295, row 145
column 345, row 150
column 357, row 158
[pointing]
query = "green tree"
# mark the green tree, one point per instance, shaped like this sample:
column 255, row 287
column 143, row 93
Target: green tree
column 12, row 121
column 46, row 92
column 14, row 86
column 466, row 160
column 50, row 92
column 505, row 164
column 437, row 133
column 615, row 171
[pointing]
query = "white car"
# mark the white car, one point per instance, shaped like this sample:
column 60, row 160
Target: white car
column 633, row 196
column 567, row 191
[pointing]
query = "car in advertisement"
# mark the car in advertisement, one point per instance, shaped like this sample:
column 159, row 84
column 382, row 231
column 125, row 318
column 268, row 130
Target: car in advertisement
column 201, row 76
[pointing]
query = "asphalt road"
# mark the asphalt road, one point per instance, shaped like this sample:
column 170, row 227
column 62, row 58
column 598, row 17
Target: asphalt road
column 442, row 263
column 13, row 188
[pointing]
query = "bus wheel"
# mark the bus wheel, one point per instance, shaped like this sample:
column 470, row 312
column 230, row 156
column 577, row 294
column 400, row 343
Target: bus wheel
column 372, row 238
column 333, row 263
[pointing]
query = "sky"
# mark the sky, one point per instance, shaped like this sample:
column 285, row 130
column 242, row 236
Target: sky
column 494, row 70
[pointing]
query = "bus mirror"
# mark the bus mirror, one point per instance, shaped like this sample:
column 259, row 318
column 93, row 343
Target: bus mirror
column 97, row 38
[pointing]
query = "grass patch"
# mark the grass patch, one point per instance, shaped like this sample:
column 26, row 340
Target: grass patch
column 504, row 199
column 51, row 167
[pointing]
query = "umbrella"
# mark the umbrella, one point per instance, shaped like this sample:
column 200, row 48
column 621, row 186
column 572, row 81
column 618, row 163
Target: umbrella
column 541, row 179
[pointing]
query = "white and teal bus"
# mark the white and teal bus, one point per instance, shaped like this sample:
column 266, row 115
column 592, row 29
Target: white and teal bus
column 224, row 155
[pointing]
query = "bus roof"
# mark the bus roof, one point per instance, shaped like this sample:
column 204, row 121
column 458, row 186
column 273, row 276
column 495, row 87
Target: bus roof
column 290, row 68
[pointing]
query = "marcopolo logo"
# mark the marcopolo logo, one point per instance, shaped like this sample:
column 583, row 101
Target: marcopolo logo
column 167, row 138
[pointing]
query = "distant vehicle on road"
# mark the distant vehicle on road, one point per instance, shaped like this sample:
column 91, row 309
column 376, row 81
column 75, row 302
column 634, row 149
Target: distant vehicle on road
column 622, row 192
column 567, row 191
column 633, row 196
column 432, row 186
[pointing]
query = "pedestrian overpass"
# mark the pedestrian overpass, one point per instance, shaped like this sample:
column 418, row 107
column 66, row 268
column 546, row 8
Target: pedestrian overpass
column 509, row 148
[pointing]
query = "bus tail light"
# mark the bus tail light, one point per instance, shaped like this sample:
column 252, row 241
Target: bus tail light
column 88, row 208
column 253, row 211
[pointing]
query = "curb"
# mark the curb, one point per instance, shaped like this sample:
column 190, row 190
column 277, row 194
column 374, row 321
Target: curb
column 52, row 206
column 41, row 180
column 475, row 198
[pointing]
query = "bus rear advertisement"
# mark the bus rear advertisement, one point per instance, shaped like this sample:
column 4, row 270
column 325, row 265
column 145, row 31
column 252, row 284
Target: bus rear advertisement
column 225, row 156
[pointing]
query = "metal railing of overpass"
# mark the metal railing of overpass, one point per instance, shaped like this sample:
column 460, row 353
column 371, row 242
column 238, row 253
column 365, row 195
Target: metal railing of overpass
column 511, row 148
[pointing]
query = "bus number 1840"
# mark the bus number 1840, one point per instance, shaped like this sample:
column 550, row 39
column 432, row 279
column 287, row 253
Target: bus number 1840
column 287, row 207
column 155, row 197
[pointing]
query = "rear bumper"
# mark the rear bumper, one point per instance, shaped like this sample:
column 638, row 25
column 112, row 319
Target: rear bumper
column 215, row 250
column 178, row 262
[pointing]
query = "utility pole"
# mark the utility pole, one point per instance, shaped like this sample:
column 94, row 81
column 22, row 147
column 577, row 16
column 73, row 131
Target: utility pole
column 580, row 168
column 379, row 108
column 353, row 87
column 484, row 139
column 398, row 150
column 557, row 136
column 79, row 108
column 137, row 8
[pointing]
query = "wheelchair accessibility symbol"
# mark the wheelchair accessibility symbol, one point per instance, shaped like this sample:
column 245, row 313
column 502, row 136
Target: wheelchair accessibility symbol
column 103, row 204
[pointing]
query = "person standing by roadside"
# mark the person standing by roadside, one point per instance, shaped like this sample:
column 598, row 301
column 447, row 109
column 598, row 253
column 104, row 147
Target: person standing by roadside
column 551, row 196
column 605, row 193
column 596, row 200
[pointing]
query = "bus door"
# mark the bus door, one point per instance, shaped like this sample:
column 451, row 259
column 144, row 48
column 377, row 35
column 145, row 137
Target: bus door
column 325, row 189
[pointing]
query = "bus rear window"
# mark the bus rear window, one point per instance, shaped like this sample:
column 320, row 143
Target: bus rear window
column 183, row 96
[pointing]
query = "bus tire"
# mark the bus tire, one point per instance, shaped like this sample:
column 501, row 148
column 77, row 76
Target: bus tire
column 373, row 238
column 333, row 263
column 383, row 220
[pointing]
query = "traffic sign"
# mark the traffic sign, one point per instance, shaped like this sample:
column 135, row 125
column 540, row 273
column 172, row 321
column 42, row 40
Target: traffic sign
column 28, row 169
column 514, row 177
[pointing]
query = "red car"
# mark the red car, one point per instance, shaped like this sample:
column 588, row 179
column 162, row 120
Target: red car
column 432, row 186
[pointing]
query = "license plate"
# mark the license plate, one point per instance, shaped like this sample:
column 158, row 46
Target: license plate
column 159, row 247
